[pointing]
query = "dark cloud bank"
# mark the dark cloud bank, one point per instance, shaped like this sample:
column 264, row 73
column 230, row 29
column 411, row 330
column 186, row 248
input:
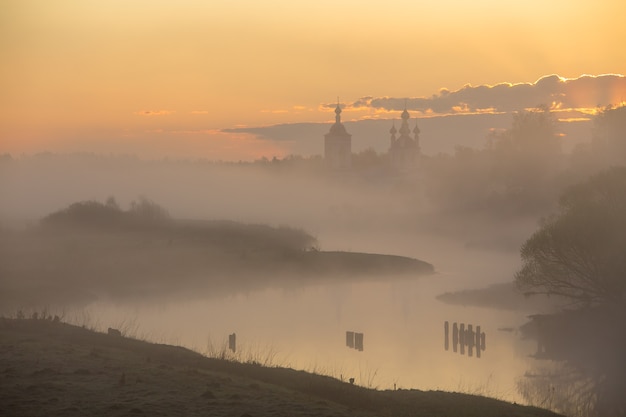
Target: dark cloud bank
column 583, row 92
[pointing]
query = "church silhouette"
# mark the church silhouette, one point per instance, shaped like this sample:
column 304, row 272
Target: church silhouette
column 403, row 152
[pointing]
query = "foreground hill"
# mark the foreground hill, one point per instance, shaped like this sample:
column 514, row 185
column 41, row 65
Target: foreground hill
column 49, row 368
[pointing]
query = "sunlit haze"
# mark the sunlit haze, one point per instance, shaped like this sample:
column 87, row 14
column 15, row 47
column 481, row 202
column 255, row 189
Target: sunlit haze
column 423, row 197
column 163, row 79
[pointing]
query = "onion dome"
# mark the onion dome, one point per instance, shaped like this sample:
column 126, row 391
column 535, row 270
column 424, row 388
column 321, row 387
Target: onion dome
column 338, row 114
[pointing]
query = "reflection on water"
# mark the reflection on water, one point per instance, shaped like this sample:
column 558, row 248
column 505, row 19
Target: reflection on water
column 305, row 328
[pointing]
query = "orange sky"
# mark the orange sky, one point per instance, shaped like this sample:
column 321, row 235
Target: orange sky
column 160, row 78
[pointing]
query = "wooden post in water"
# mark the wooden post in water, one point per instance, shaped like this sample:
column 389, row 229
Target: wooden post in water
column 462, row 338
column 478, row 346
column 358, row 341
column 465, row 337
column 455, row 337
column 232, row 342
column 469, row 339
column 350, row 339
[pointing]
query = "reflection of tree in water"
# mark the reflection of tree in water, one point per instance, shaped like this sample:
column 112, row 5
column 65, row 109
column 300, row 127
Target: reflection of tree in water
column 584, row 363
column 580, row 254
column 560, row 388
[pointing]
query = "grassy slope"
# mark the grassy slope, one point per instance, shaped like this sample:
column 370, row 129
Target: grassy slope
column 55, row 369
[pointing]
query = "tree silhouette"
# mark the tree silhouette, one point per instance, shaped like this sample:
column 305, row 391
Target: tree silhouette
column 579, row 253
column 609, row 135
column 527, row 157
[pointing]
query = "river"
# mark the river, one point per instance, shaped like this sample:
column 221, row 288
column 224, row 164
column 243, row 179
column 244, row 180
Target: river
column 401, row 320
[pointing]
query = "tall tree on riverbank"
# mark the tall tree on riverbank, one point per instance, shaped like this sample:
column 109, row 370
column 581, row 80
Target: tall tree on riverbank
column 580, row 252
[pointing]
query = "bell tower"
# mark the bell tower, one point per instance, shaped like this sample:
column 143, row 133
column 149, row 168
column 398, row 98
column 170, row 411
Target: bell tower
column 338, row 144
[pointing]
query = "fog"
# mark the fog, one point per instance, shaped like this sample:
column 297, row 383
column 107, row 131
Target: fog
column 323, row 203
column 467, row 214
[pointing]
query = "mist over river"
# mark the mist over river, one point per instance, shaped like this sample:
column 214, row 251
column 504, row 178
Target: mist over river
column 305, row 327
column 283, row 321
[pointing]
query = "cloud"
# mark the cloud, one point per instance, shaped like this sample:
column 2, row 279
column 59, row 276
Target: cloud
column 188, row 131
column 584, row 92
column 154, row 112
column 461, row 117
column 199, row 112
column 277, row 111
column 438, row 134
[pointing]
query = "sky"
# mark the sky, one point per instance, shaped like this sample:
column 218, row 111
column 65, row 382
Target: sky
column 191, row 78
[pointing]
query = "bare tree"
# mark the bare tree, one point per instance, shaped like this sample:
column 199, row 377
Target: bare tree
column 580, row 252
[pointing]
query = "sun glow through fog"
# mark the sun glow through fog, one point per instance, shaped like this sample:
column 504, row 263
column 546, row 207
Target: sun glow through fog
column 84, row 72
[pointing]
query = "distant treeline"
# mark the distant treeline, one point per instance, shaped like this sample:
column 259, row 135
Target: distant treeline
column 148, row 217
column 90, row 249
column 93, row 214
column 518, row 172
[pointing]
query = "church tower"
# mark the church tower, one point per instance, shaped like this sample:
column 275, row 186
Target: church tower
column 404, row 149
column 338, row 144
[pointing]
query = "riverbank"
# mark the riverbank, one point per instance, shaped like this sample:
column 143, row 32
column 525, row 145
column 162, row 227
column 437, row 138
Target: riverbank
column 74, row 263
